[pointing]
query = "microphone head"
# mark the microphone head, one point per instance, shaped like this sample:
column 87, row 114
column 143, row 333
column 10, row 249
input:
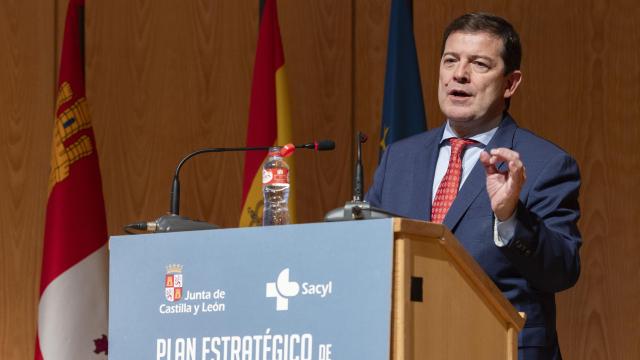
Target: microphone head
column 321, row 145
column 324, row 145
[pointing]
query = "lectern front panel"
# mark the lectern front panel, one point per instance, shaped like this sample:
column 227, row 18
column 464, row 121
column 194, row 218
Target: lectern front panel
column 311, row 291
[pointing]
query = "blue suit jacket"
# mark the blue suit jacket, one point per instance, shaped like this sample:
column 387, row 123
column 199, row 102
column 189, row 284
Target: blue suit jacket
column 541, row 259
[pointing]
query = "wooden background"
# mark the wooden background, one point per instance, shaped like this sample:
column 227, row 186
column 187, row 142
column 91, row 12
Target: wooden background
column 166, row 77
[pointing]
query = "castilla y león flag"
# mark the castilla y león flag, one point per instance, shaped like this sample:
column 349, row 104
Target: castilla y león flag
column 269, row 117
column 72, row 313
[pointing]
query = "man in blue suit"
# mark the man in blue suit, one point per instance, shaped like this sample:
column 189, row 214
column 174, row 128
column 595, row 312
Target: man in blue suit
column 509, row 196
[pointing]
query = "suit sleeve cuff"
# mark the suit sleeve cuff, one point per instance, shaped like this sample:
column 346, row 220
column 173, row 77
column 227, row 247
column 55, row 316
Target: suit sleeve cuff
column 503, row 230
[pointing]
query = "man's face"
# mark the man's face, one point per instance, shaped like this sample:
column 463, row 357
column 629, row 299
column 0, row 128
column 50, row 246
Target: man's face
column 473, row 87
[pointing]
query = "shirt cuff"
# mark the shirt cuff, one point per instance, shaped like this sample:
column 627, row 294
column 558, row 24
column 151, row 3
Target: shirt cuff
column 503, row 230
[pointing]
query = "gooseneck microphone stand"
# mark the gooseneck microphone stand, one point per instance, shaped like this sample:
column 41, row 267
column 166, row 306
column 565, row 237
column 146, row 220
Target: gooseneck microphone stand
column 357, row 209
column 174, row 222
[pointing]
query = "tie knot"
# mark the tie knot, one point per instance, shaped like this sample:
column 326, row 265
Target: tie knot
column 458, row 144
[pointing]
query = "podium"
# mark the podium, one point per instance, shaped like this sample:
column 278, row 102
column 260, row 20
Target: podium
column 371, row 289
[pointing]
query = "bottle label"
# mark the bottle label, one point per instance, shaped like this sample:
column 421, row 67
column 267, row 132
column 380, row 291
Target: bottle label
column 275, row 176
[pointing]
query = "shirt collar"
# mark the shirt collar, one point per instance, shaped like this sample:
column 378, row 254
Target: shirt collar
column 482, row 138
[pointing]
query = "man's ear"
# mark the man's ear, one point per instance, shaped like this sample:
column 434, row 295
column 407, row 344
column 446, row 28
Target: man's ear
column 513, row 81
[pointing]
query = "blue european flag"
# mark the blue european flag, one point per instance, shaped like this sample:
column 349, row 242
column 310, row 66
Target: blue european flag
column 403, row 108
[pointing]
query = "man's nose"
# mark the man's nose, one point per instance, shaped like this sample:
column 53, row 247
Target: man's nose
column 461, row 73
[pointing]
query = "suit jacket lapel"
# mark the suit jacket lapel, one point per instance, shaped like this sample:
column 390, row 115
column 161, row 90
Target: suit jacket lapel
column 476, row 181
column 425, row 168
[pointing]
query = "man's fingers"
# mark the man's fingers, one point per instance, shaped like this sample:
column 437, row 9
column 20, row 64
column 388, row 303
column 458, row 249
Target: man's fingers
column 517, row 170
column 511, row 158
column 504, row 155
column 515, row 166
column 489, row 166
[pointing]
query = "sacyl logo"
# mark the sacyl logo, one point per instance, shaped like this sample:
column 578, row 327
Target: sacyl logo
column 283, row 289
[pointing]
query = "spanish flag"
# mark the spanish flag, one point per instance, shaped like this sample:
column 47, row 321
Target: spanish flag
column 72, row 312
column 269, row 118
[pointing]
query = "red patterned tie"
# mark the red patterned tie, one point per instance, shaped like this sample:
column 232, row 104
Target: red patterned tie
column 448, row 188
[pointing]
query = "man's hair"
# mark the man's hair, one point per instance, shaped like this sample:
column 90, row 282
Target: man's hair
column 494, row 25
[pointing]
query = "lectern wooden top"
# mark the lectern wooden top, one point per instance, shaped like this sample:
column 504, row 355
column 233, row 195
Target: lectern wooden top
column 476, row 276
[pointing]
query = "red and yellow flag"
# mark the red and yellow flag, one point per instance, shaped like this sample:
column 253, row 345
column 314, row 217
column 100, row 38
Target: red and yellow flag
column 72, row 313
column 269, row 118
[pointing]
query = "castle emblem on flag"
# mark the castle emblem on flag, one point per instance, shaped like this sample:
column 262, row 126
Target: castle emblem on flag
column 173, row 282
column 70, row 144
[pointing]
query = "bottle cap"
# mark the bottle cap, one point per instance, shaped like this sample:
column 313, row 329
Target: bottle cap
column 287, row 150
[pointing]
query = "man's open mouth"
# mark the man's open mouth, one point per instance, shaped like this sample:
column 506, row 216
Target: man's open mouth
column 459, row 93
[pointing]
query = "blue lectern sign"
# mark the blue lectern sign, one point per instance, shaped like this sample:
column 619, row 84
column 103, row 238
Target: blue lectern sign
column 295, row 292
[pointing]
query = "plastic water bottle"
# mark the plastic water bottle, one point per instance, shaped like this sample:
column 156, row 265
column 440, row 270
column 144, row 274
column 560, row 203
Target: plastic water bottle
column 275, row 189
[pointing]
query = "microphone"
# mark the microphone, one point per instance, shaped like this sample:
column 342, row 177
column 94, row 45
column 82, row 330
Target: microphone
column 321, row 145
column 357, row 209
column 358, row 178
column 174, row 222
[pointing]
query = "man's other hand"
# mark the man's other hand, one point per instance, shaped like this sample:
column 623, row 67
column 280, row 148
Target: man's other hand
column 503, row 186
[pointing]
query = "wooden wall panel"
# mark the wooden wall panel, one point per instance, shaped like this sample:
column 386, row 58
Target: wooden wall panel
column 605, row 111
column 317, row 40
column 167, row 77
column 372, row 28
column 26, row 108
